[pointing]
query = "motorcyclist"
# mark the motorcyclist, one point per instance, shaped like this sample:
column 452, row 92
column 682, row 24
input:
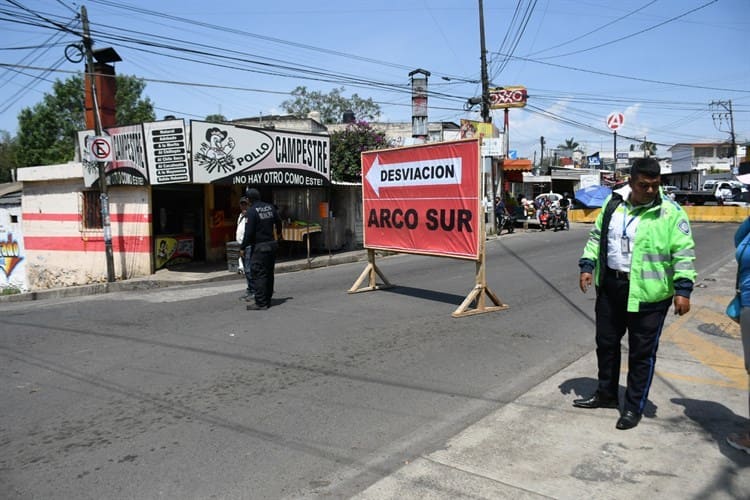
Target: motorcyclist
column 545, row 212
column 503, row 218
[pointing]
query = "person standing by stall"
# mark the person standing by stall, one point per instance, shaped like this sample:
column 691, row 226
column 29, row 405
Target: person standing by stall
column 262, row 219
column 245, row 256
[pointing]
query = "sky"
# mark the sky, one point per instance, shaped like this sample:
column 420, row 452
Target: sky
column 672, row 67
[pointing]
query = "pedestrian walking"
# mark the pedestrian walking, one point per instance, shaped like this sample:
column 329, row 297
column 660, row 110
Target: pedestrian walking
column 741, row 440
column 262, row 220
column 564, row 207
column 245, row 256
column 640, row 256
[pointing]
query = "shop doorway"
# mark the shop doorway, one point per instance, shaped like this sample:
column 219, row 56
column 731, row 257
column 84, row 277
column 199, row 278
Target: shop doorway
column 178, row 225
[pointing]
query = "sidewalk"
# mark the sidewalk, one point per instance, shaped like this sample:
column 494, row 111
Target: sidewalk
column 540, row 446
column 188, row 274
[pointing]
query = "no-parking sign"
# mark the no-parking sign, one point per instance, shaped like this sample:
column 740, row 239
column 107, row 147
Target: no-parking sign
column 100, row 147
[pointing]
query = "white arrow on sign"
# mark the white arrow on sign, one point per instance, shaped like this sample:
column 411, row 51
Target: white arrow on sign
column 441, row 171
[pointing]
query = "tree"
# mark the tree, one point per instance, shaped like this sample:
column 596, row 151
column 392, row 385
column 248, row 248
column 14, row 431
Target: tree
column 8, row 162
column 47, row 131
column 649, row 147
column 570, row 144
column 331, row 106
column 216, row 118
column 346, row 146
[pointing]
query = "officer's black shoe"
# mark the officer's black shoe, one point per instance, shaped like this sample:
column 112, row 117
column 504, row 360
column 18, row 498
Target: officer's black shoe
column 628, row 420
column 597, row 400
column 255, row 307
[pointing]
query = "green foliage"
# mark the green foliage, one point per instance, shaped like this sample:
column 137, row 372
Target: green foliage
column 331, row 105
column 346, row 147
column 131, row 107
column 570, row 144
column 47, row 131
column 648, row 146
column 8, row 162
column 216, row 118
column 10, row 290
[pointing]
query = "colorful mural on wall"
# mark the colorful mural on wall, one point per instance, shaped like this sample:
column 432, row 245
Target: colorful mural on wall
column 12, row 253
column 170, row 250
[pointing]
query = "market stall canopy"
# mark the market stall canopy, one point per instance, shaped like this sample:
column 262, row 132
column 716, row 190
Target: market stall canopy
column 593, row 196
column 516, row 165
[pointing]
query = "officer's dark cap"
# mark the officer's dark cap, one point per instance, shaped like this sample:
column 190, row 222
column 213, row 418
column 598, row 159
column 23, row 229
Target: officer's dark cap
column 253, row 194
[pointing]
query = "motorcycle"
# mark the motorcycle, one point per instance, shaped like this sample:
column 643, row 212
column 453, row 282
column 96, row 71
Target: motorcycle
column 544, row 216
column 551, row 218
column 556, row 220
column 506, row 221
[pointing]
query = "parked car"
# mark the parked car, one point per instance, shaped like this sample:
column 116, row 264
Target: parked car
column 554, row 197
column 669, row 188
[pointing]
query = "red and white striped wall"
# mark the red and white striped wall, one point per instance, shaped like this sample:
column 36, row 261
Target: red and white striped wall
column 60, row 251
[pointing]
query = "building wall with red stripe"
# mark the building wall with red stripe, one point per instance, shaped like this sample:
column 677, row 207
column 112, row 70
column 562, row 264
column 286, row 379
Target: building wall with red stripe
column 62, row 252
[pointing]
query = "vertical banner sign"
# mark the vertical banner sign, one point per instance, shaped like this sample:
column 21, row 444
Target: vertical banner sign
column 423, row 199
column 166, row 152
column 128, row 165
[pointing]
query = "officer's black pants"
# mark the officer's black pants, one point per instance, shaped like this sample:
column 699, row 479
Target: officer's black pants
column 261, row 266
column 644, row 329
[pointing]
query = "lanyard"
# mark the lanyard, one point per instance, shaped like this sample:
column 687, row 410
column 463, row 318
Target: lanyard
column 625, row 217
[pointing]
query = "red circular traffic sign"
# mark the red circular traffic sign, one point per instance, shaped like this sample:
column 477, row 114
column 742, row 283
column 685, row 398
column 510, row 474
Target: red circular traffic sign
column 101, row 148
column 615, row 120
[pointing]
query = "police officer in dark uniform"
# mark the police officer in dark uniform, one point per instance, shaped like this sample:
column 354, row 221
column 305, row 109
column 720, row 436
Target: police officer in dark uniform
column 262, row 219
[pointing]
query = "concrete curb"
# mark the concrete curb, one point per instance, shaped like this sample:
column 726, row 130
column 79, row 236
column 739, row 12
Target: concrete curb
column 176, row 278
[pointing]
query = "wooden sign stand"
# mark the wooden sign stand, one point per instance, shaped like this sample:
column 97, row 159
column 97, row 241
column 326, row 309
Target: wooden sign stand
column 370, row 271
column 477, row 295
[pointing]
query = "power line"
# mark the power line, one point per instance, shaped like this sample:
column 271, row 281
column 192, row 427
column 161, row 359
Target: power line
column 631, row 35
column 626, row 77
column 517, row 37
column 595, row 30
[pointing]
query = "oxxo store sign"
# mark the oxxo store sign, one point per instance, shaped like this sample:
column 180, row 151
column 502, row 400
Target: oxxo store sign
column 423, row 199
column 239, row 155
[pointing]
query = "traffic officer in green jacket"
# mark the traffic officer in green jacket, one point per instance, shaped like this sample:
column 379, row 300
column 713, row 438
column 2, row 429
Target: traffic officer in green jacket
column 640, row 256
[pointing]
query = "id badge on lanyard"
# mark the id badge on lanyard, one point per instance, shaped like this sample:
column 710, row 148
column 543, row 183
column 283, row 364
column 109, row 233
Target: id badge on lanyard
column 626, row 245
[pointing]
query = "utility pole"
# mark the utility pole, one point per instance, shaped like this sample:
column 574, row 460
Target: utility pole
column 104, row 196
column 729, row 116
column 541, row 154
column 485, row 79
column 486, row 161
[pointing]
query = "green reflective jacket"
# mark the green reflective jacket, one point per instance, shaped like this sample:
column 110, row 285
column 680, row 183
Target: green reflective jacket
column 663, row 251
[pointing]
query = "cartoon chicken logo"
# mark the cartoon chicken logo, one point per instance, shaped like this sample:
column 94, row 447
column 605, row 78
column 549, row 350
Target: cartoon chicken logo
column 215, row 154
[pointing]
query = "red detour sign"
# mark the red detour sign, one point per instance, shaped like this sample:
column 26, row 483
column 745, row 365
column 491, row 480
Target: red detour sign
column 615, row 120
column 423, row 199
column 508, row 97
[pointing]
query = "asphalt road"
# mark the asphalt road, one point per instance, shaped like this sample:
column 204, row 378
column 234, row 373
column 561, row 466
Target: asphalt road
column 182, row 393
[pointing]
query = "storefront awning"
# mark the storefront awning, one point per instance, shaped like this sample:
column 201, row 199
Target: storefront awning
column 516, row 165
